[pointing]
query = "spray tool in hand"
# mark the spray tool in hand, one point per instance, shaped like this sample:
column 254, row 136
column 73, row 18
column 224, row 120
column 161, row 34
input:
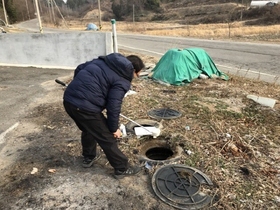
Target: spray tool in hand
column 141, row 130
column 60, row 82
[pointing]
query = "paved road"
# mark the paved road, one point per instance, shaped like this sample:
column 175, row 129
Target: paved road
column 32, row 26
column 19, row 87
column 229, row 56
column 253, row 60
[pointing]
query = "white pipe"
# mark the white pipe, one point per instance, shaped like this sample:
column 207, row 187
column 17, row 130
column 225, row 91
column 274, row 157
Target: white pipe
column 39, row 17
column 115, row 43
column 136, row 123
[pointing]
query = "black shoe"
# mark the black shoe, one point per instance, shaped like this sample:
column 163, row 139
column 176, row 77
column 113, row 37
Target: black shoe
column 132, row 170
column 88, row 162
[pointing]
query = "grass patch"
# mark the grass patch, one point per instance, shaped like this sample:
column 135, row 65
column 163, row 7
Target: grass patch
column 232, row 139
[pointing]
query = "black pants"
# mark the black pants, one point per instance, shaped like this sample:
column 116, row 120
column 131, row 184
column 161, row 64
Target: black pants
column 95, row 130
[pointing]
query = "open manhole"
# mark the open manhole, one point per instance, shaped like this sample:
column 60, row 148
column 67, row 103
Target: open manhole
column 164, row 113
column 159, row 152
column 180, row 186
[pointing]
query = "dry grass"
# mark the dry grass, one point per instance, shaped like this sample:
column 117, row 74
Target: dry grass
column 233, row 140
column 222, row 31
column 237, row 31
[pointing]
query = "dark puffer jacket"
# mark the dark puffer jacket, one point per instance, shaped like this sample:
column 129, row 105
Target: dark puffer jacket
column 101, row 84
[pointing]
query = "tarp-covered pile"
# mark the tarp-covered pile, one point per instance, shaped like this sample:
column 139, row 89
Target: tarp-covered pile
column 181, row 66
column 92, row 27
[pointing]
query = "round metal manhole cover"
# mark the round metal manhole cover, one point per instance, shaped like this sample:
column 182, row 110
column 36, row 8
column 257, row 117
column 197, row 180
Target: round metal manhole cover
column 180, row 186
column 164, row 113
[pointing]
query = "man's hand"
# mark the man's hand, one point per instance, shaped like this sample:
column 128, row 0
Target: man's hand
column 118, row 134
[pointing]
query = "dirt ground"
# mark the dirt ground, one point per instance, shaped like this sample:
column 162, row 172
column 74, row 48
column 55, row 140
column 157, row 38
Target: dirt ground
column 231, row 139
column 46, row 139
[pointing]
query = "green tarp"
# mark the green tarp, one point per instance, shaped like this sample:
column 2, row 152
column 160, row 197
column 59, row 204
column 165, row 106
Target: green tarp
column 181, row 66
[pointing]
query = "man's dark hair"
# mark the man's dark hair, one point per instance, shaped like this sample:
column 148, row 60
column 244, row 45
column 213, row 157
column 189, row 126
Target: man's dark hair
column 136, row 62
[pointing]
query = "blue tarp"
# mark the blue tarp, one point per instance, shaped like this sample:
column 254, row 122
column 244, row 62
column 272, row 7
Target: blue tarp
column 91, row 26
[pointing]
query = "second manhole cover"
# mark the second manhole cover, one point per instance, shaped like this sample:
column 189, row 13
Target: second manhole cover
column 164, row 113
column 180, row 186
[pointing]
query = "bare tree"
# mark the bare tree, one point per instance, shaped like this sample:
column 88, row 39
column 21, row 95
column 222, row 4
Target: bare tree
column 230, row 21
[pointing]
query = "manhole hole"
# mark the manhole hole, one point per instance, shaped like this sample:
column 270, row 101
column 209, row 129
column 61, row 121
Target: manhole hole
column 159, row 152
column 164, row 113
column 180, row 186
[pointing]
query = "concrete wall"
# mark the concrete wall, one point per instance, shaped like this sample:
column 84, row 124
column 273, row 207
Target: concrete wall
column 53, row 50
column 262, row 3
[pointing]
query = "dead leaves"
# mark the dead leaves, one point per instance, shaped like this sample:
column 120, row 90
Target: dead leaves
column 36, row 170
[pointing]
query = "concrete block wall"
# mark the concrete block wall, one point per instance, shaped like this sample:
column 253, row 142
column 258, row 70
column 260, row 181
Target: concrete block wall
column 53, row 50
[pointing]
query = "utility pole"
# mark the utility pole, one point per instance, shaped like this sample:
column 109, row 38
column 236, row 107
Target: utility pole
column 5, row 13
column 241, row 14
column 49, row 10
column 27, row 9
column 99, row 11
column 40, row 6
column 53, row 14
column 133, row 13
column 38, row 16
column 34, row 5
column 60, row 13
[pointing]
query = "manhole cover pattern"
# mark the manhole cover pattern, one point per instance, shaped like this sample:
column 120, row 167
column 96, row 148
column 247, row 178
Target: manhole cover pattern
column 164, row 113
column 179, row 186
